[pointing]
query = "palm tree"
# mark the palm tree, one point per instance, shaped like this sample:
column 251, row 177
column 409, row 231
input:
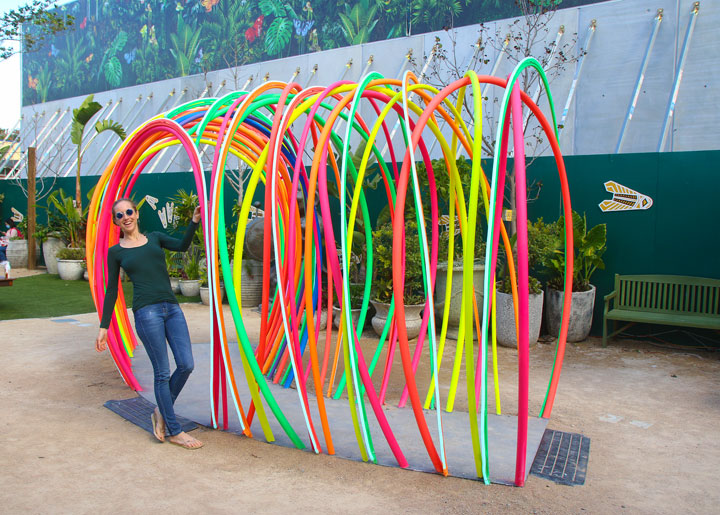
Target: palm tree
column 81, row 117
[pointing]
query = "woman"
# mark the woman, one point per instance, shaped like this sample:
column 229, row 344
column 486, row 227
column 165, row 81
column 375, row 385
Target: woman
column 11, row 230
column 157, row 315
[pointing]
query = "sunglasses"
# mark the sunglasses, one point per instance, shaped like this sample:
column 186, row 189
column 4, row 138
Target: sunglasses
column 120, row 215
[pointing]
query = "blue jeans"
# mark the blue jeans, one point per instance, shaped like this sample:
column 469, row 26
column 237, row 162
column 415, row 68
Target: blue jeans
column 155, row 324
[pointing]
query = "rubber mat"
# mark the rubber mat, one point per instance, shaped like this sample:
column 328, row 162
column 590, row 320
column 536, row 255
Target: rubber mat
column 562, row 458
column 194, row 403
column 138, row 410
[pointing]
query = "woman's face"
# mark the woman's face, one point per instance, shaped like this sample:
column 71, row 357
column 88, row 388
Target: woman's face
column 128, row 222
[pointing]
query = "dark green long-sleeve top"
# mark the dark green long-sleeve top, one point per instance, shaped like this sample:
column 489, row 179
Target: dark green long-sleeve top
column 146, row 267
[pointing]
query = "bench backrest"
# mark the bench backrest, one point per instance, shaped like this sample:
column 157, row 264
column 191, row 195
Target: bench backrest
column 668, row 294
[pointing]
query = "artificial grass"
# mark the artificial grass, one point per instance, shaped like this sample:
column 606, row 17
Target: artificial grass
column 46, row 295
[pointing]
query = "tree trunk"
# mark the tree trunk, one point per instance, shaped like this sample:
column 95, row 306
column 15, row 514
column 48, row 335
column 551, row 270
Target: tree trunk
column 78, row 193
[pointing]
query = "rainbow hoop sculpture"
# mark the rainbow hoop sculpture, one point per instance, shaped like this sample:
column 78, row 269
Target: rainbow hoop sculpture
column 272, row 129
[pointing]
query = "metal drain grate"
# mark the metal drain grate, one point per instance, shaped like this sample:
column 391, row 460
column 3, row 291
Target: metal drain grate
column 562, row 458
column 138, row 410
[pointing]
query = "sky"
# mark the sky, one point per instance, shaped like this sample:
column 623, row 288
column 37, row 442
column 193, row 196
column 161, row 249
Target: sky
column 10, row 90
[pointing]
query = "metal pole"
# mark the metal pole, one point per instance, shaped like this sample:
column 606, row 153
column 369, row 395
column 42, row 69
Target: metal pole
column 295, row 74
column 422, row 75
column 348, row 65
column 24, row 134
column 578, row 69
column 536, row 94
column 11, row 151
column 67, row 110
column 177, row 150
column 35, row 144
column 640, row 80
column 469, row 67
column 312, row 75
column 497, row 63
column 678, row 77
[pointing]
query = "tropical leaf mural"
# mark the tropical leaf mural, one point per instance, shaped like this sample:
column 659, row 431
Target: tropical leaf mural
column 118, row 44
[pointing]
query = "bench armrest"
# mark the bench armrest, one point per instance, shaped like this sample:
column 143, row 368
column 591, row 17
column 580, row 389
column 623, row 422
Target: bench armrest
column 608, row 298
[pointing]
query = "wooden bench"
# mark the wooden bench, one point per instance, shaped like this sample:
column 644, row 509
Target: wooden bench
column 6, row 282
column 662, row 299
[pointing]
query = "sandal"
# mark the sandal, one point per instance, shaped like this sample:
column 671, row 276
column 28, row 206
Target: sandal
column 157, row 432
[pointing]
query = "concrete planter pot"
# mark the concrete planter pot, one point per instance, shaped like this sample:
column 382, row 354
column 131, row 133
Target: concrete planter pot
column 70, row 269
column 190, row 288
column 455, row 294
column 205, row 294
column 50, row 249
column 17, row 253
column 175, row 284
column 506, row 334
column 354, row 313
column 581, row 313
column 251, row 283
column 413, row 318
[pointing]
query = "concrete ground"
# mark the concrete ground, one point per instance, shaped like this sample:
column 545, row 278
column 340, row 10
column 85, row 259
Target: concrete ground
column 652, row 415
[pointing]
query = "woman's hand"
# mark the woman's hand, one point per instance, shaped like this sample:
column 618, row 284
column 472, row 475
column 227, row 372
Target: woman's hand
column 196, row 215
column 101, row 340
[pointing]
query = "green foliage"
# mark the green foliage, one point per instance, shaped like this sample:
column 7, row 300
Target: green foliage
column 383, row 256
column 185, row 204
column 42, row 232
column 435, row 13
column 81, row 116
column 588, row 247
column 173, row 263
column 222, row 40
column 109, row 125
column 110, row 65
column 72, row 223
column 542, row 244
column 358, row 21
column 278, row 36
column 71, row 66
column 272, row 8
column 185, row 46
column 30, row 25
column 192, row 265
column 77, row 254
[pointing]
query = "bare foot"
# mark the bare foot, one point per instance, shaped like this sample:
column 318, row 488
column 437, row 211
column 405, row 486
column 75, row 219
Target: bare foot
column 185, row 440
column 158, row 424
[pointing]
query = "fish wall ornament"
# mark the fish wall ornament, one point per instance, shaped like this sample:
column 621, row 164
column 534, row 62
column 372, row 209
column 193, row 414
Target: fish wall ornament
column 624, row 199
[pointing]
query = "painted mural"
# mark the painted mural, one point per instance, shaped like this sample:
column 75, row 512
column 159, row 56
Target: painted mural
column 120, row 43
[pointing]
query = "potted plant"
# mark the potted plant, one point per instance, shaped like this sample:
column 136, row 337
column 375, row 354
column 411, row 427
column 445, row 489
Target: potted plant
column 205, row 289
column 190, row 283
column 455, row 276
column 588, row 247
column 382, row 292
column 71, row 263
column 51, row 242
column 541, row 246
column 17, row 248
column 356, row 295
column 173, row 262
